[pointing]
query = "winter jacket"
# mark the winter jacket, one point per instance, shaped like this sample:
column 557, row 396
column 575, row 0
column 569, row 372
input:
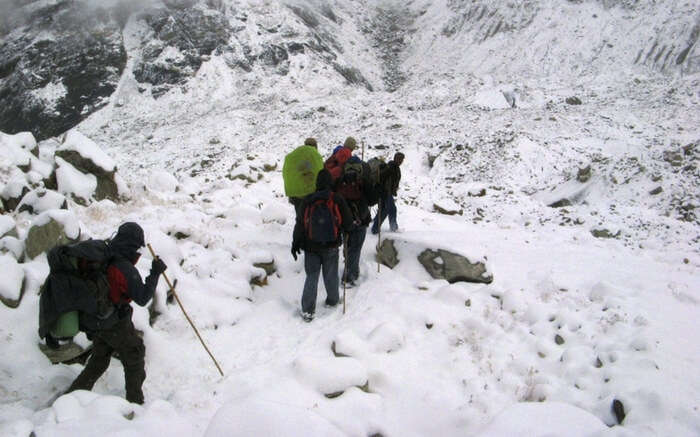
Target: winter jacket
column 390, row 176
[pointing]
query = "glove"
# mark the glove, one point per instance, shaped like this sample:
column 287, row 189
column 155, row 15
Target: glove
column 295, row 251
column 158, row 266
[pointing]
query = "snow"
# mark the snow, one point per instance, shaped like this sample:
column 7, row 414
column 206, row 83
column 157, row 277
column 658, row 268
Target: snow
column 13, row 275
column 42, row 200
column 570, row 322
column 7, row 224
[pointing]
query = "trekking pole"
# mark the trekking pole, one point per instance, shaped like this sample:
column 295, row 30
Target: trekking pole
column 345, row 270
column 172, row 289
column 363, row 150
column 379, row 230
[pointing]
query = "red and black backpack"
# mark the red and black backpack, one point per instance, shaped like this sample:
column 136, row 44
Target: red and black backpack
column 322, row 220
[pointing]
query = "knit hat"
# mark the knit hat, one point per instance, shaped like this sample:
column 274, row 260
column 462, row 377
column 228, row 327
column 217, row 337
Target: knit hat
column 350, row 143
column 311, row 142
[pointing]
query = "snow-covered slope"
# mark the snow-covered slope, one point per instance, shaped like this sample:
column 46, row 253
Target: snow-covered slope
column 475, row 93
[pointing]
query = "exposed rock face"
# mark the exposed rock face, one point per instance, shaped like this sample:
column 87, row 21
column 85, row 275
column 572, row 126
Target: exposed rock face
column 182, row 39
column 59, row 70
column 452, row 267
column 106, row 185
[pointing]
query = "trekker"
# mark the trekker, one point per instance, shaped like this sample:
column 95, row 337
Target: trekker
column 356, row 188
column 308, row 144
column 318, row 232
column 389, row 178
column 117, row 332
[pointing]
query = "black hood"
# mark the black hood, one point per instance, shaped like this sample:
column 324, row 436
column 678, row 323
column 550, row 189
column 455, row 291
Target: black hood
column 324, row 180
column 128, row 241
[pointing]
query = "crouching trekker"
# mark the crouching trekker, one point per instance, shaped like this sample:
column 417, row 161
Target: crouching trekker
column 318, row 231
column 105, row 311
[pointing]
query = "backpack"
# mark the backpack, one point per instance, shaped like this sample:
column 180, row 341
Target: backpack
column 350, row 185
column 335, row 163
column 322, row 220
column 83, row 267
column 376, row 165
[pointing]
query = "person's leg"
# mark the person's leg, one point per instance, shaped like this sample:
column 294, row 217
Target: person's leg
column 95, row 367
column 330, row 275
column 381, row 214
column 355, row 242
column 132, row 354
column 312, row 267
column 391, row 212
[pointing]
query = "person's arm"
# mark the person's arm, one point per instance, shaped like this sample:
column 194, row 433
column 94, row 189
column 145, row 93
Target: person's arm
column 298, row 237
column 345, row 213
column 136, row 289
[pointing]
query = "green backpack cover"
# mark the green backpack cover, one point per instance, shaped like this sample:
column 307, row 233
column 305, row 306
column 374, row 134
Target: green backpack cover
column 299, row 171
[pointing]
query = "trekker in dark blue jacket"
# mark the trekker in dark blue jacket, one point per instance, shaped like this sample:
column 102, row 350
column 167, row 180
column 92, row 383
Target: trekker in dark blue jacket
column 117, row 333
column 319, row 252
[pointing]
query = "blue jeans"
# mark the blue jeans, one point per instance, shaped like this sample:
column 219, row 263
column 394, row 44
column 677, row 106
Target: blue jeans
column 387, row 206
column 313, row 262
column 356, row 239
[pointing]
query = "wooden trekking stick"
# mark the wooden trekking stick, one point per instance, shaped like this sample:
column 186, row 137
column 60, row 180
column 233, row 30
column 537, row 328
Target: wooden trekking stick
column 172, row 289
column 379, row 230
column 363, row 150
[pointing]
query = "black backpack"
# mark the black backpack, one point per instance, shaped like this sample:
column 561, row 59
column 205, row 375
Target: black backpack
column 350, row 185
column 322, row 220
column 78, row 274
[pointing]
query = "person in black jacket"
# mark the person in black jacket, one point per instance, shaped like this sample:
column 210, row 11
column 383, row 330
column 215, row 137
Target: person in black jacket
column 319, row 255
column 356, row 187
column 117, row 332
column 389, row 178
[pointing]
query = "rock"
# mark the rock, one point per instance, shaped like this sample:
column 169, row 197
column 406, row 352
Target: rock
column 86, row 156
column 477, row 193
column 67, row 353
column 181, row 39
column 13, row 193
column 447, row 207
column 584, row 174
column 558, row 339
column 604, row 233
column 573, row 100
column 442, row 264
column 619, row 410
column 41, row 238
column 41, row 200
column 560, row 203
column 269, row 267
column 14, row 246
column 387, row 254
column 353, row 76
column 656, row 191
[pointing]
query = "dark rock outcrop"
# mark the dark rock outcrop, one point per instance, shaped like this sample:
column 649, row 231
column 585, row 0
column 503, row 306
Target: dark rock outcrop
column 442, row 264
column 50, row 84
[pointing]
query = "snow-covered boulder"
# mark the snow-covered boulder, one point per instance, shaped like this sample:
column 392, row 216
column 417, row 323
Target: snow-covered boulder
column 540, row 419
column 42, row 200
column 11, row 285
column 387, row 337
column 86, row 157
column 7, row 226
column 13, row 192
column 13, row 246
column 163, row 182
column 442, row 264
column 331, row 375
column 447, row 207
column 50, row 229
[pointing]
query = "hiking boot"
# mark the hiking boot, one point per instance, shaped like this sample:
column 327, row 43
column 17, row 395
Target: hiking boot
column 351, row 284
column 307, row 316
column 330, row 304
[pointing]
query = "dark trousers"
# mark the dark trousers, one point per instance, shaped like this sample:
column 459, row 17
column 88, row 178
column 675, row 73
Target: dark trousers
column 387, row 207
column 123, row 339
column 314, row 261
column 356, row 239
